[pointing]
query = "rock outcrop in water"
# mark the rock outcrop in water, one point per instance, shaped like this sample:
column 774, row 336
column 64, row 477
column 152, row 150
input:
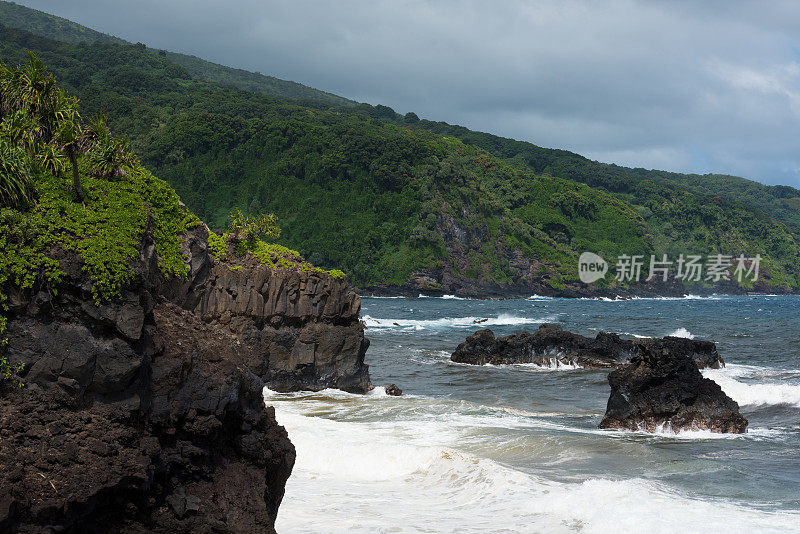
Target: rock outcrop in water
column 146, row 414
column 656, row 382
column 392, row 390
column 550, row 346
column 663, row 389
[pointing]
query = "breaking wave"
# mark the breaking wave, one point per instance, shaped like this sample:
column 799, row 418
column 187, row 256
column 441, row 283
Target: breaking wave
column 454, row 322
column 757, row 386
column 554, row 364
column 410, row 476
column 682, row 332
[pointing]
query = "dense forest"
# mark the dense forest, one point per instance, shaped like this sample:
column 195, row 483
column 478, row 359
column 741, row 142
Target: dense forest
column 389, row 198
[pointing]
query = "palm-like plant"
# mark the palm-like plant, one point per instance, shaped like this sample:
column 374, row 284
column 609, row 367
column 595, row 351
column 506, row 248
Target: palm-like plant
column 250, row 228
column 65, row 132
column 33, row 88
column 109, row 157
column 43, row 119
column 6, row 73
column 95, row 132
column 16, row 176
column 18, row 132
column 22, row 130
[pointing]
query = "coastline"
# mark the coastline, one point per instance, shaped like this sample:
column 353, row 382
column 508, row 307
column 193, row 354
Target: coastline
column 524, row 437
column 548, row 293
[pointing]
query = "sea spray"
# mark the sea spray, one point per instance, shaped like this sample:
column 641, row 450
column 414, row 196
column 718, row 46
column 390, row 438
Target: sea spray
column 456, row 322
column 515, row 448
column 362, row 476
column 766, row 391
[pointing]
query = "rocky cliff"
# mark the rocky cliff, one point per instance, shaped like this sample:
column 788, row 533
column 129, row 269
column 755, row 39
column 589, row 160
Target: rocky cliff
column 295, row 329
column 146, row 413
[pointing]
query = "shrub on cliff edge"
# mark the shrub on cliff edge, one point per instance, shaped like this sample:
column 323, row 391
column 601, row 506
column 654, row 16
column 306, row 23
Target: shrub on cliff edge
column 41, row 218
column 244, row 239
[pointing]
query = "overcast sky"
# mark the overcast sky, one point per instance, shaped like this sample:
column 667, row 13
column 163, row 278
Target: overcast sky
column 711, row 86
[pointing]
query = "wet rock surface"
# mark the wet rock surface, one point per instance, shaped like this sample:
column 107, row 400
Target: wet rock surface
column 663, row 390
column 393, row 390
column 656, row 384
column 551, row 346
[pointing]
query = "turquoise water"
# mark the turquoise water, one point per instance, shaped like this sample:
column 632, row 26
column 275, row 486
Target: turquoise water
column 516, row 448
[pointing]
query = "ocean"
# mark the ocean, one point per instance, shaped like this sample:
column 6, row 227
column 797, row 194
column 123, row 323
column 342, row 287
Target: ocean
column 516, row 448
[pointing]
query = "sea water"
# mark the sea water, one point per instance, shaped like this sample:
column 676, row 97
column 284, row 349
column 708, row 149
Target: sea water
column 515, row 448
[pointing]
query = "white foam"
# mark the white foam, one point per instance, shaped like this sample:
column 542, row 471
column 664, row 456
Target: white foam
column 631, row 334
column 553, row 364
column 684, row 297
column 443, row 297
column 764, row 392
column 454, row 322
column 682, row 332
column 665, row 432
column 410, row 476
column 620, row 298
column 635, row 335
column 325, row 394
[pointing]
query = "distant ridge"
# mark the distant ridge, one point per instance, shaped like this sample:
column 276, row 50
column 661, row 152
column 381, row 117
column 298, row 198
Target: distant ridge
column 37, row 22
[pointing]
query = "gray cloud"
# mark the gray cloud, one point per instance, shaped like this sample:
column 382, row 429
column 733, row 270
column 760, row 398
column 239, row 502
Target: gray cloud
column 713, row 87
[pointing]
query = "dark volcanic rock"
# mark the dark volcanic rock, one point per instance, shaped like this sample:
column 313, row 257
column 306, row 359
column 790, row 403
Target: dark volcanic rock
column 550, row 345
column 393, row 390
column 112, row 435
column 661, row 388
column 146, row 414
column 703, row 353
column 302, row 330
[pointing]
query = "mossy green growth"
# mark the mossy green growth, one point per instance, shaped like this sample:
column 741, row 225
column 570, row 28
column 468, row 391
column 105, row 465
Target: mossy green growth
column 107, row 230
column 100, row 219
column 218, row 246
column 11, row 372
column 105, row 233
column 336, row 273
column 23, row 261
column 275, row 255
column 272, row 255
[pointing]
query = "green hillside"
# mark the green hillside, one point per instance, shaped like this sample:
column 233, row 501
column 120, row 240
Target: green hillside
column 40, row 23
column 43, row 24
column 387, row 199
column 778, row 201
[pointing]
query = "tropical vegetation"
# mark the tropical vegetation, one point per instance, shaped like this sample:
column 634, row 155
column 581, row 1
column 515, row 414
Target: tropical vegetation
column 68, row 185
column 384, row 196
